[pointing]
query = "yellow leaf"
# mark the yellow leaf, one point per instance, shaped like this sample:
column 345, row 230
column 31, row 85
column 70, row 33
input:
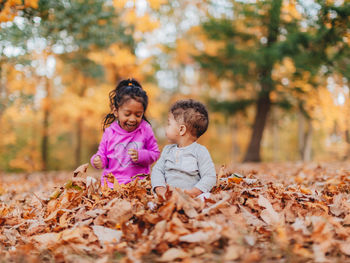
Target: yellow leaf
column 305, row 190
column 155, row 4
column 146, row 24
column 32, row 3
column 234, row 179
column 119, row 3
column 212, row 47
column 289, row 65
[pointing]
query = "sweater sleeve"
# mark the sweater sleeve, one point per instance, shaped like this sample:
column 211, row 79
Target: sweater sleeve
column 206, row 171
column 102, row 151
column 158, row 171
column 150, row 153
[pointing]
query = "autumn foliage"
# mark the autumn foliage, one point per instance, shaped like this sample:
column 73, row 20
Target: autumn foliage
column 59, row 60
column 290, row 212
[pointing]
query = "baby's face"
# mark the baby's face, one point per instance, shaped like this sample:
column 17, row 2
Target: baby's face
column 172, row 130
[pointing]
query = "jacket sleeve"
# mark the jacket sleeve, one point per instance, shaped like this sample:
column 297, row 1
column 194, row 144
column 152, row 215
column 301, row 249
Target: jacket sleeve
column 206, row 171
column 150, row 153
column 102, row 151
column 158, row 171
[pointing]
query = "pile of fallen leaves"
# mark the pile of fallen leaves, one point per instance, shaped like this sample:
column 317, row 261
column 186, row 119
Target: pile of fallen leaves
column 256, row 213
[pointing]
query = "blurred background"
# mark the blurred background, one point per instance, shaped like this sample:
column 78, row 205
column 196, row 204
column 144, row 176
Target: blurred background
column 274, row 75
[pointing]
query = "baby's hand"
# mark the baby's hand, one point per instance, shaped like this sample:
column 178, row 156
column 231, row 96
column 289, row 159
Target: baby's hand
column 97, row 162
column 134, row 155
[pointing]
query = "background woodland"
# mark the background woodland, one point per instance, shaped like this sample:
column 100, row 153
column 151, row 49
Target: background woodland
column 274, row 74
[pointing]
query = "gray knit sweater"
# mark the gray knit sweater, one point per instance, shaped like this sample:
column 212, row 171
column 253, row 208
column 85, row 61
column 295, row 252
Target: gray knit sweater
column 185, row 168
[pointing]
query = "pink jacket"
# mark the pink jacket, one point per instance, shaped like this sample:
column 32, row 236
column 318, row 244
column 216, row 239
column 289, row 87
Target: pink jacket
column 113, row 150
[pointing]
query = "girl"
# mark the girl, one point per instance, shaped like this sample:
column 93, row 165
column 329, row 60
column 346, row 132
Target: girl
column 128, row 146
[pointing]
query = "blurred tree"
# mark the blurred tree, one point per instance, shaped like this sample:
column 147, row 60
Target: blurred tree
column 67, row 30
column 77, row 28
column 341, row 63
column 257, row 36
column 9, row 9
column 12, row 46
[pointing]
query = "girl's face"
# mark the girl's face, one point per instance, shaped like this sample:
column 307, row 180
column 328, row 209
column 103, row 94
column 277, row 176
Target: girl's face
column 129, row 115
column 172, row 130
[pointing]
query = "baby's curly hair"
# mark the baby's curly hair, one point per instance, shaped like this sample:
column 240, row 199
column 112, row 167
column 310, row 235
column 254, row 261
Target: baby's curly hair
column 192, row 114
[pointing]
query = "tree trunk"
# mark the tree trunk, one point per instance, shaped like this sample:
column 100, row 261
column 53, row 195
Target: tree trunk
column 308, row 143
column 80, row 124
column 347, row 140
column 264, row 103
column 304, row 137
column 235, row 147
column 262, row 110
column 275, row 136
column 45, row 131
column 3, row 90
column 301, row 132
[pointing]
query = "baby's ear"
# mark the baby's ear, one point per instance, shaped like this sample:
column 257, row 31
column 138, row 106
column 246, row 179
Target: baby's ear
column 183, row 130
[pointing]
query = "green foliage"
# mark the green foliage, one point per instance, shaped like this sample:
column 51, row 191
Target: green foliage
column 79, row 24
column 258, row 36
column 85, row 65
column 69, row 27
column 321, row 43
column 334, row 26
column 284, row 104
column 230, row 107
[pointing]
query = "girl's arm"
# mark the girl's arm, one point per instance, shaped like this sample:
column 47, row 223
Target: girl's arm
column 102, row 150
column 150, row 153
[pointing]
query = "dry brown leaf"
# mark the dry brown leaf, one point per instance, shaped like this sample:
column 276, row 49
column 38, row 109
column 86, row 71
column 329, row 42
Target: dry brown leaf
column 73, row 225
column 119, row 211
column 176, row 226
column 250, row 218
column 299, row 224
column 183, row 201
column 201, row 237
column 269, row 215
column 172, row 254
column 81, row 170
column 217, row 205
column 345, row 247
column 232, row 252
column 107, row 235
column 46, row 240
column 166, row 210
column 79, row 235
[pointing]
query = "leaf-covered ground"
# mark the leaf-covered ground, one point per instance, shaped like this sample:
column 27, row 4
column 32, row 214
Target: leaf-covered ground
column 288, row 212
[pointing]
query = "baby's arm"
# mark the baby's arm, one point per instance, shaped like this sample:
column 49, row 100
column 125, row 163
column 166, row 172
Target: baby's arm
column 158, row 175
column 206, row 171
column 99, row 159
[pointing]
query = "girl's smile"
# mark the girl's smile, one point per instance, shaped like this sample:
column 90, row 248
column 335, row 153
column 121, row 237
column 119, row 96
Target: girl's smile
column 129, row 115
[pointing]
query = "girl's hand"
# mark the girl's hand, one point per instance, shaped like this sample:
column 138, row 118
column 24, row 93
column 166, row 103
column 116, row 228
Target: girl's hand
column 98, row 162
column 134, row 155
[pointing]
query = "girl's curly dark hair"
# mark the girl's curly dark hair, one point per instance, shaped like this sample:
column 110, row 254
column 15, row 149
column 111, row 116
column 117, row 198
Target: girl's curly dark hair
column 126, row 89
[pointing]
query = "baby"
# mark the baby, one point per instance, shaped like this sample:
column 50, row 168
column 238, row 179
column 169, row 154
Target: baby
column 185, row 163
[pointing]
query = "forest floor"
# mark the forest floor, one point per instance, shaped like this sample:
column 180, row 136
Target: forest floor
column 268, row 212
